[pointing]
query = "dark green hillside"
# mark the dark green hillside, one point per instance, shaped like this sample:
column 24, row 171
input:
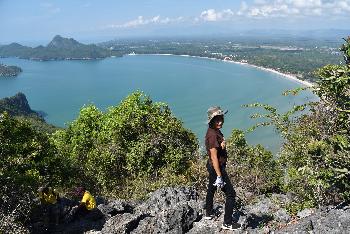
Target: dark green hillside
column 17, row 106
column 58, row 49
column 14, row 50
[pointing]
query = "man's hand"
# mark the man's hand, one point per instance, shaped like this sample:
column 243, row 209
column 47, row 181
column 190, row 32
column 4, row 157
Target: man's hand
column 219, row 182
column 223, row 144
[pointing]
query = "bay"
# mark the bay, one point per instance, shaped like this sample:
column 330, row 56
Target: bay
column 188, row 85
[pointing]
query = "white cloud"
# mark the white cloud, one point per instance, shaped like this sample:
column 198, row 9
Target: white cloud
column 141, row 21
column 301, row 8
column 209, row 15
column 256, row 9
column 212, row 15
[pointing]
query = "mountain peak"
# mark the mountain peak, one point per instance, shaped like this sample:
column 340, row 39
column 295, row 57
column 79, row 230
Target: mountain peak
column 61, row 42
column 16, row 105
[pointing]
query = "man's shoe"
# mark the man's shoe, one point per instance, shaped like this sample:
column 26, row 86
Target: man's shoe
column 231, row 226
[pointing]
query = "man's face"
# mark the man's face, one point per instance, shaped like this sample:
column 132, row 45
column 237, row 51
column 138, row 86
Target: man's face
column 218, row 121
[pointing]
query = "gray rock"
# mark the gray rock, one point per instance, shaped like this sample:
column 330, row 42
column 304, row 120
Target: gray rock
column 170, row 210
column 263, row 206
column 178, row 210
column 265, row 210
column 122, row 223
column 282, row 215
column 281, row 199
column 114, row 207
column 305, row 213
column 331, row 221
column 166, row 198
column 178, row 219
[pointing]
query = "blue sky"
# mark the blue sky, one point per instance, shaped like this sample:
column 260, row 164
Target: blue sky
column 40, row 20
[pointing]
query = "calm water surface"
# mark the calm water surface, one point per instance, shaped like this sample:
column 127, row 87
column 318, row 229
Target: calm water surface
column 189, row 86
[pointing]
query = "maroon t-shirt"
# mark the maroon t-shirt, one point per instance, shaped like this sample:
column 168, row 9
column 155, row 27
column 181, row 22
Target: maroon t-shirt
column 213, row 139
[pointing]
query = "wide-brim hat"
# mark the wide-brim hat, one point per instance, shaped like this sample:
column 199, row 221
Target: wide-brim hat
column 215, row 111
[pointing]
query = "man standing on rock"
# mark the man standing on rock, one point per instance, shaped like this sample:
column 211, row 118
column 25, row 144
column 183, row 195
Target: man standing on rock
column 216, row 148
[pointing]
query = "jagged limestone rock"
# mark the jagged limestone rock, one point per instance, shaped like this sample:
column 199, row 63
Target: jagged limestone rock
column 178, row 210
column 326, row 221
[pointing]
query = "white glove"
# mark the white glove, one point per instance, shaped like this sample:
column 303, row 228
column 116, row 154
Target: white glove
column 219, row 182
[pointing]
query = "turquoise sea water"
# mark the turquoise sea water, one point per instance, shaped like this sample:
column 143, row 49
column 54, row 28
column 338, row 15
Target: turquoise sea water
column 189, row 86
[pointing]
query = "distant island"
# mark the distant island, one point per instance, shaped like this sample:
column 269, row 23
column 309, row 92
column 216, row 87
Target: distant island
column 59, row 48
column 9, row 70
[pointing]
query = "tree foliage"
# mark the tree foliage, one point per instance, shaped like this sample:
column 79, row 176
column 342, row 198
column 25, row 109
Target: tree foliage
column 136, row 138
column 316, row 152
column 27, row 160
column 252, row 167
column 132, row 149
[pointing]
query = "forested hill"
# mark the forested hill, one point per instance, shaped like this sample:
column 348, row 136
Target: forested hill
column 58, row 49
column 17, row 105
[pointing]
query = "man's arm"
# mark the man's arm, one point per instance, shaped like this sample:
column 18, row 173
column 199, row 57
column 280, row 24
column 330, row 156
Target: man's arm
column 215, row 161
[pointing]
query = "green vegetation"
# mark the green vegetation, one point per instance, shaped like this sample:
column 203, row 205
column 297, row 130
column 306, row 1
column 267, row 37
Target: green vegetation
column 17, row 106
column 139, row 146
column 9, row 70
column 248, row 166
column 132, row 149
column 315, row 155
column 137, row 138
column 297, row 56
column 27, row 160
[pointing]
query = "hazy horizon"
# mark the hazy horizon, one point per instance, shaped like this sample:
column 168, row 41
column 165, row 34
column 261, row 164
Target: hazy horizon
column 38, row 21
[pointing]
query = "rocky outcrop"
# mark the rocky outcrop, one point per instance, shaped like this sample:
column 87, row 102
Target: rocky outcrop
column 178, row 210
column 63, row 43
column 8, row 71
column 324, row 220
column 172, row 210
column 17, row 105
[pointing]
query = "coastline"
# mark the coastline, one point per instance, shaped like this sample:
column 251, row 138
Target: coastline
column 287, row 76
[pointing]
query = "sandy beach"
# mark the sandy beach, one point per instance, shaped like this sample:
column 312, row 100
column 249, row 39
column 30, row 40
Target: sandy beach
column 287, row 76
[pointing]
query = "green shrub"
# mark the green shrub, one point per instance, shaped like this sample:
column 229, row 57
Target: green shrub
column 27, row 160
column 316, row 153
column 253, row 168
column 137, row 138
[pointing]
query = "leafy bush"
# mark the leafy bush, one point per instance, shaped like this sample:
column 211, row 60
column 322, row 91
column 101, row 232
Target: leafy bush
column 252, row 167
column 27, row 160
column 137, row 138
column 26, row 155
column 316, row 152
